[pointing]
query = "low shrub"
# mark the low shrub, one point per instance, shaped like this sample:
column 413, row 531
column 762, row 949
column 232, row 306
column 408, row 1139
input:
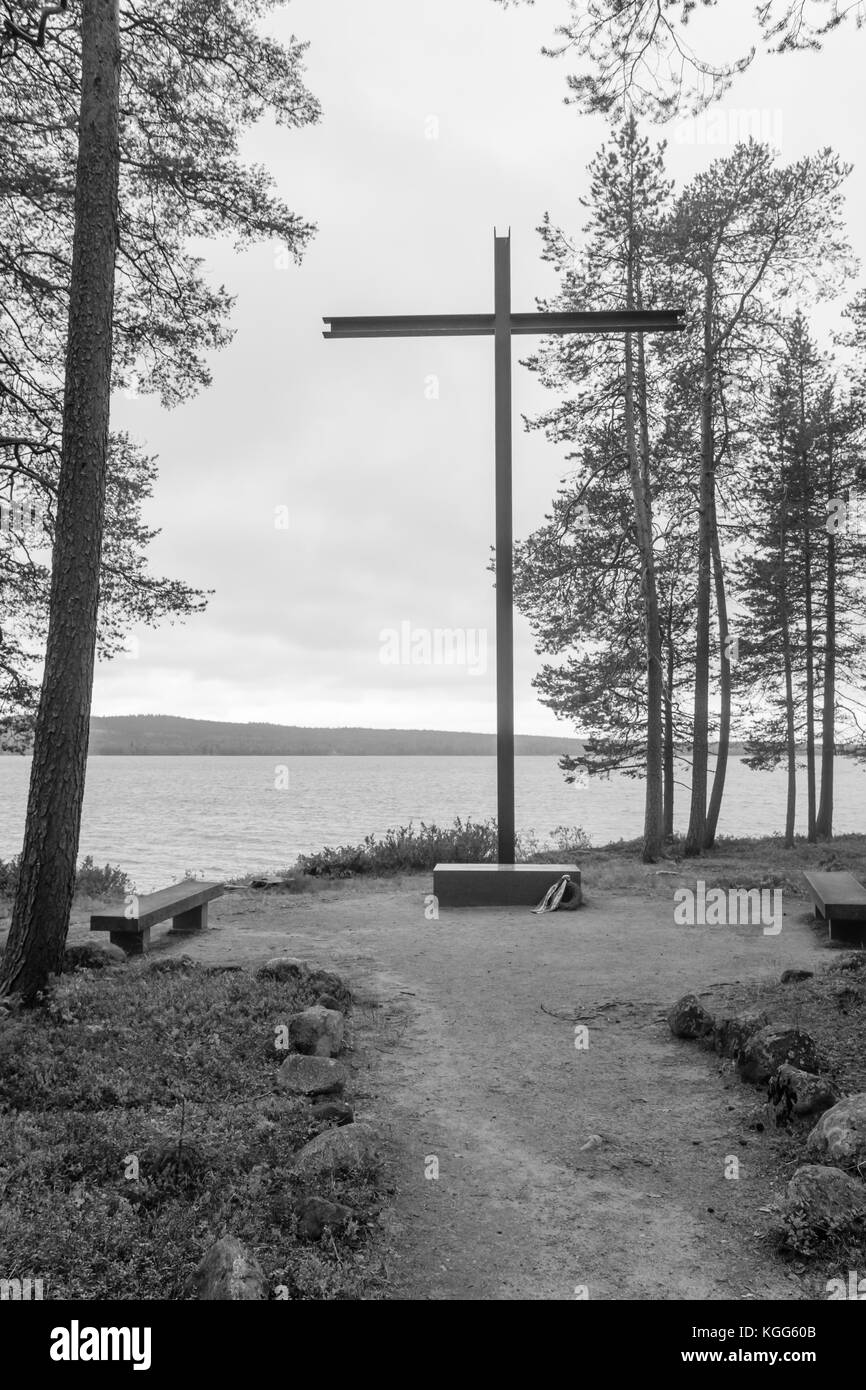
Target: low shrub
column 91, row 881
column 407, row 849
column 8, row 877
column 110, row 881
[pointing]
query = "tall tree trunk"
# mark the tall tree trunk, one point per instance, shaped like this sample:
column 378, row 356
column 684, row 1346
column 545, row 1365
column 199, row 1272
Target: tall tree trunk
column 805, row 502
column 824, row 822
column 668, row 796
column 718, row 788
column 790, row 723
column 635, row 398
column 653, row 834
column 46, row 882
column 700, row 734
column 655, row 647
column 810, row 670
column 790, row 744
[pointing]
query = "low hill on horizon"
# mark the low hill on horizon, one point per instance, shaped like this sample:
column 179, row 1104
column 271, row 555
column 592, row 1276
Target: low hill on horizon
column 166, row 734
column 162, row 734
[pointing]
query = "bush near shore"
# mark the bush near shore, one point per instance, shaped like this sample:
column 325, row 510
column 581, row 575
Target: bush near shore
column 411, row 849
column 91, row 881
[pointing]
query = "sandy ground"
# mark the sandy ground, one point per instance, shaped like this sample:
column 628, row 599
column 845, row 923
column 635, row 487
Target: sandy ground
column 458, row 1061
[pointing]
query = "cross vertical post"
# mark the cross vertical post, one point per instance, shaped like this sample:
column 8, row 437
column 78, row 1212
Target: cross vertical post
column 504, row 551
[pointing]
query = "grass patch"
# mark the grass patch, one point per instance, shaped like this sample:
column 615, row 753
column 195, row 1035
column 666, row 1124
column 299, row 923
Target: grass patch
column 139, row 1122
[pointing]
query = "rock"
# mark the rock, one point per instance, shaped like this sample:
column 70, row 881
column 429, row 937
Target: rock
column 824, row 1200
column 839, row 1137
column 339, row 1110
column 326, row 982
column 594, row 1141
column 229, row 1271
column 350, row 1149
column 316, row 1032
column 792, row 977
column 327, row 1001
column 92, row 955
column 312, row 1076
column 316, row 1215
column 689, row 1019
column 286, row 969
column 732, row 1031
column 795, row 1094
column 770, row 1047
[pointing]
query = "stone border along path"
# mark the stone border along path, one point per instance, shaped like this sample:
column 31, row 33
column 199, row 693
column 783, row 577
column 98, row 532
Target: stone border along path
column 463, row 1039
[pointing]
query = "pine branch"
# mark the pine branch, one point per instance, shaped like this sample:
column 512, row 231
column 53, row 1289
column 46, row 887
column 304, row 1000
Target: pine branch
column 14, row 31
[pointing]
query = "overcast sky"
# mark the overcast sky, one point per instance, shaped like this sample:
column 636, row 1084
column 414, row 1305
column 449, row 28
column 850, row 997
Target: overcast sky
column 388, row 489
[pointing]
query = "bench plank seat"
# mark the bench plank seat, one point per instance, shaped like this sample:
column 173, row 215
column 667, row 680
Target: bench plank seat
column 185, row 903
column 841, row 900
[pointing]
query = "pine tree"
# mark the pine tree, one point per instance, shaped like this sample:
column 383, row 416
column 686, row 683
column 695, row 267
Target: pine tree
column 743, row 231
column 152, row 170
column 801, row 631
column 628, row 192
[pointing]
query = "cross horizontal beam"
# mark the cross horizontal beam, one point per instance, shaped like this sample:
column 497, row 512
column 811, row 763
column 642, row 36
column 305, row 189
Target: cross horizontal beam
column 477, row 325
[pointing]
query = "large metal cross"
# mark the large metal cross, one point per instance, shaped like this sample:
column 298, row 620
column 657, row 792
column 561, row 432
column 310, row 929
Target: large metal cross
column 502, row 324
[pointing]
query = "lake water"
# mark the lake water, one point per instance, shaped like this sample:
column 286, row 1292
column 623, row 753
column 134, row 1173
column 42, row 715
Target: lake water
column 160, row 816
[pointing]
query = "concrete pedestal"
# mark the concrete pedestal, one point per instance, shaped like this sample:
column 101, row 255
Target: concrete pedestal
column 498, row 885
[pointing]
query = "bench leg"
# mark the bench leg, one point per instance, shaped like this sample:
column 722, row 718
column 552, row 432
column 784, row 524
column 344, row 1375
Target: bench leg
column 853, row 933
column 194, row 920
column 133, row 943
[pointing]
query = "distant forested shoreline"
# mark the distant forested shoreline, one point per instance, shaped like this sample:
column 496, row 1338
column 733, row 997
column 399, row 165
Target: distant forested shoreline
column 167, row 734
column 162, row 735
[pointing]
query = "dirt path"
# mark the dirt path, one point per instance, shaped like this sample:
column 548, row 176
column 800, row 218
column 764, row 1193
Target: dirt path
column 458, row 1061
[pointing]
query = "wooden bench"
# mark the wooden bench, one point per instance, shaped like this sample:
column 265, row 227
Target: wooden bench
column 841, row 901
column 185, row 903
